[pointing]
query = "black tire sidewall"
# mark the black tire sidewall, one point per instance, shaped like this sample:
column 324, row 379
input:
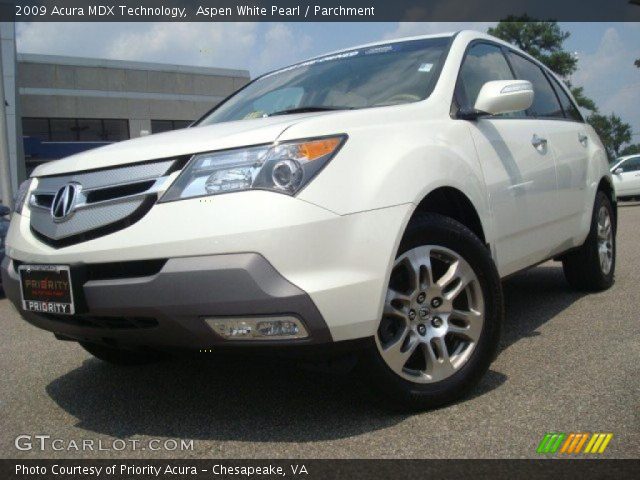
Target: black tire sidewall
column 442, row 231
column 605, row 280
column 582, row 266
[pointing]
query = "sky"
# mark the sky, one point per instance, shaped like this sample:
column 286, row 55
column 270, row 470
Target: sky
column 606, row 51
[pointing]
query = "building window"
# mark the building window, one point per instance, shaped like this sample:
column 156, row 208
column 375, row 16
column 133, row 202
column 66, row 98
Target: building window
column 158, row 126
column 76, row 129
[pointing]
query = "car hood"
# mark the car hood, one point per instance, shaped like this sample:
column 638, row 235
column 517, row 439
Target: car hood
column 176, row 143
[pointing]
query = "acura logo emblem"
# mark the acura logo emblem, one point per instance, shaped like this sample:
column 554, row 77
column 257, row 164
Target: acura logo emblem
column 64, row 201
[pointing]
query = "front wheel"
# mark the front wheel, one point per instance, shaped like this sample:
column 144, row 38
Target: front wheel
column 442, row 316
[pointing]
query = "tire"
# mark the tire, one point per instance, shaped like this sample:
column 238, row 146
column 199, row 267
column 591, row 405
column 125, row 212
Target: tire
column 121, row 357
column 584, row 268
column 420, row 383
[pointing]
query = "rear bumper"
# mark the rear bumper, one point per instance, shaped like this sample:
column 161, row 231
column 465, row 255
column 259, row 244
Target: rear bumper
column 167, row 309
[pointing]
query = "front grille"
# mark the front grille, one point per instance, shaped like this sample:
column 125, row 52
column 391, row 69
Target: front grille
column 97, row 231
column 104, row 201
column 107, row 323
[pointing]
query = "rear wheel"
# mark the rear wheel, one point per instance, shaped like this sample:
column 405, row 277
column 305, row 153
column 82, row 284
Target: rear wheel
column 122, row 357
column 592, row 266
column 442, row 315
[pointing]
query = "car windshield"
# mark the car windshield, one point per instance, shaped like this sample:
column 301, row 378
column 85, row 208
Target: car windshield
column 381, row 75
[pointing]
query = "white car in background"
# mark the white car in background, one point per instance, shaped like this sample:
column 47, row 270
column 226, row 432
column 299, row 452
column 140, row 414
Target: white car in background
column 369, row 200
column 626, row 176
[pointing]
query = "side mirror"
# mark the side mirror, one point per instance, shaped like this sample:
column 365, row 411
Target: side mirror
column 4, row 210
column 504, row 96
column 618, row 170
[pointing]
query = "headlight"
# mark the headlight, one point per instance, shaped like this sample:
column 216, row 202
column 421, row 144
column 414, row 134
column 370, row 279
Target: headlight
column 281, row 167
column 21, row 196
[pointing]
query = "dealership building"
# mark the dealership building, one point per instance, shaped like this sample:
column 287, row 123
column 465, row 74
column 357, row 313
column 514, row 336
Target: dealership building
column 57, row 106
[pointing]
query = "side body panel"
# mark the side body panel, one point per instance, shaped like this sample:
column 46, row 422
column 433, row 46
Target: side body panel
column 522, row 185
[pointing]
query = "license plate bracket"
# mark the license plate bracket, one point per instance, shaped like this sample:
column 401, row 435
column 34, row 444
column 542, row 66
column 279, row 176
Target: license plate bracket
column 47, row 289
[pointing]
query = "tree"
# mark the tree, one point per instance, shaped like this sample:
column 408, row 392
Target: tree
column 612, row 131
column 637, row 63
column 543, row 41
column 630, row 150
column 581, row 98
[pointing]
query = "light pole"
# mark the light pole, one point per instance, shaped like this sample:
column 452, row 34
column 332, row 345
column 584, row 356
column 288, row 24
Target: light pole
column 5, row 169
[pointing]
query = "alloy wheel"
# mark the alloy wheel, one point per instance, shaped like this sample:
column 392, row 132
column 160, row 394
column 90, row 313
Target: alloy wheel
column 605, row 240
column 433, row 315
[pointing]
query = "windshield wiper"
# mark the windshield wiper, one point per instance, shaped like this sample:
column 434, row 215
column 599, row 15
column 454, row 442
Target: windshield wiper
column 310, row 108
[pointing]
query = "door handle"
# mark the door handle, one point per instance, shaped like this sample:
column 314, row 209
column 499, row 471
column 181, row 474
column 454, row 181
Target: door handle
column 538, row 141
column 583, row 139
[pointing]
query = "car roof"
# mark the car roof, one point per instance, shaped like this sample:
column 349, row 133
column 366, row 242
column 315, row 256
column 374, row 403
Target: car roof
column 386, row 42
column 468, row 35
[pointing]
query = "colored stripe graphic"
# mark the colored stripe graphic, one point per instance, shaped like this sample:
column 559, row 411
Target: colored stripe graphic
column 573, row 442
column 551, row 442
column 598, row 443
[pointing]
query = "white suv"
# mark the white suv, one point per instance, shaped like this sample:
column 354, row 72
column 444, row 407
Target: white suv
column 368, row 200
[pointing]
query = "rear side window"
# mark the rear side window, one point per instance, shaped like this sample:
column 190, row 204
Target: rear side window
column 483, row 63
column 631, row 165
column 570, row 109
column 545, row 102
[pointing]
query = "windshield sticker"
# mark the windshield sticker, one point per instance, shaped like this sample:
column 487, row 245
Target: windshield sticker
column 308, row 63
column 383, row 49
column 425, row 67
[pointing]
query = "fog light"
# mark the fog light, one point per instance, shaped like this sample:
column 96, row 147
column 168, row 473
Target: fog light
column 258, row 328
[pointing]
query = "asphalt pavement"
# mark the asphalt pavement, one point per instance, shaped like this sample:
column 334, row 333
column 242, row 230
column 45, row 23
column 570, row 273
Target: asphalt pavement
column 569, row 362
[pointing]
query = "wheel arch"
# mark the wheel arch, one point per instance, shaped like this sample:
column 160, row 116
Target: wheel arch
column 606, row 186
column 453, row 203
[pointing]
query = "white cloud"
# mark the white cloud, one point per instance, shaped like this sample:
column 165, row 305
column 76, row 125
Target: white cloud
column 204, row 44
column 253, row 46
column 410, row 29
column 609, row 76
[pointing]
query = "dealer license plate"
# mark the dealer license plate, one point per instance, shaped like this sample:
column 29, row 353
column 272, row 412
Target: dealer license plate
column 46, row 289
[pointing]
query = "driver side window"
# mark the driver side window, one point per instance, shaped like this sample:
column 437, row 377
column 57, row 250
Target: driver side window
column 483, row 63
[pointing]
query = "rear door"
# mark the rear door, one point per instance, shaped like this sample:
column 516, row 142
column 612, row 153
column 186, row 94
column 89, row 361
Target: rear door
column 519, row 169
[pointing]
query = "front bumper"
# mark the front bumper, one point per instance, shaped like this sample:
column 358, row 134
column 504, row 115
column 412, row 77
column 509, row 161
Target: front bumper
column 167, row 309
column 341, row 262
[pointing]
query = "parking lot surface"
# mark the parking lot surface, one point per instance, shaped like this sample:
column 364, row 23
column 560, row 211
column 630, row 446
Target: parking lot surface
column 569, row 362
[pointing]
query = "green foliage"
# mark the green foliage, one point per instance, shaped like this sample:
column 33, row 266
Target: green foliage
column 637, row 63
column 612, row 131
column 630, row 150
column 542, row 40
column 583, row 101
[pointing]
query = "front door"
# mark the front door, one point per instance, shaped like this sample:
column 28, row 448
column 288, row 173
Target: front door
column 519, row 169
